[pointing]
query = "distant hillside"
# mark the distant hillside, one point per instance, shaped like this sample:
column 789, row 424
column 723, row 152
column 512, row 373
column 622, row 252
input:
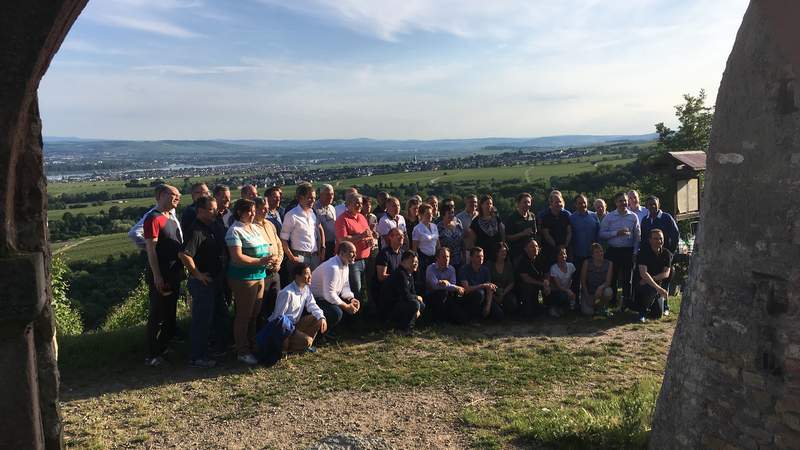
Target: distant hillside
column 73, row 145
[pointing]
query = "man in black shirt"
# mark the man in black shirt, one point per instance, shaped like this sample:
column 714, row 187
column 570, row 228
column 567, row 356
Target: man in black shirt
column 531, row 278
column 400, row 299
column 203, row 254
column 520, row 226
column 654, row 263
column 386, row 262
column 190, row 213
column 555, row 227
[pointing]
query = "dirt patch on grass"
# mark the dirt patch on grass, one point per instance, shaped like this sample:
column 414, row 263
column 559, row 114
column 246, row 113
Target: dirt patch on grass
column 405, row 420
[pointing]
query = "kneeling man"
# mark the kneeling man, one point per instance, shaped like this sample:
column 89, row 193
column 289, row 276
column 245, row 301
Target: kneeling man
column 654, row 263
column 293, row 301
column 331, row 286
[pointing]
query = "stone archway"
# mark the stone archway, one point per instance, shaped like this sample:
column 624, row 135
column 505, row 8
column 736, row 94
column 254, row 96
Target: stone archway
column 30, row 34
column 733, row 375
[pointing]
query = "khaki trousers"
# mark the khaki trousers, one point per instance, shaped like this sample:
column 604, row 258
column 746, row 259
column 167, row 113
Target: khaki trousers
column 246, row 297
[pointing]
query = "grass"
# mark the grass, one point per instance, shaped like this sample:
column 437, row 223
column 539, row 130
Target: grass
column 94, row 248
column 568, row 383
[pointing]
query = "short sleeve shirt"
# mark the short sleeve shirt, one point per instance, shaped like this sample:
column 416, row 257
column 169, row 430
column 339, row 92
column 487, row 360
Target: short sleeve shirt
column 655, row 262
column 557, row 225
column 533, row 268
column 516, row 223
column 169, row 238
column 206, row 246
column 300, row 229
column 253, row 245
column 472, row 277
column 563, row 278
column 427, row 237
column 348, row 225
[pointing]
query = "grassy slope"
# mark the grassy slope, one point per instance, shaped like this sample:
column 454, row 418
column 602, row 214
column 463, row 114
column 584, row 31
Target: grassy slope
column 568, row 383
column 94, row 248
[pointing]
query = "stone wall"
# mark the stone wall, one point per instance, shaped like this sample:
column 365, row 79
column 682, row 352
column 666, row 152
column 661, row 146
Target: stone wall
column 733, row 372
column 30, row 33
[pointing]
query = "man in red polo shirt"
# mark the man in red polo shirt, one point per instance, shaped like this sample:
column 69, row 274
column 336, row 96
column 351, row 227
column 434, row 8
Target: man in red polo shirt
column 353, row 227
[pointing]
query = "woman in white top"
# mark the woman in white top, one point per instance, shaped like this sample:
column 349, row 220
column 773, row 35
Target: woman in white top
column 293, row 301
column 561, row 296
column 425, row 237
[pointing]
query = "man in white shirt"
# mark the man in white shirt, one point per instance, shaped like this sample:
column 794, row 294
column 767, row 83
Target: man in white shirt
column 294, row 300
column 301, row 234
column 635, row 207
column 326, row 215
column 331, row 286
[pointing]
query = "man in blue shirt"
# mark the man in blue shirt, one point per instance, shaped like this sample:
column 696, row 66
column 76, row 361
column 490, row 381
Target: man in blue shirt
column 622, row 231
column 585, row 227
column 479, row 291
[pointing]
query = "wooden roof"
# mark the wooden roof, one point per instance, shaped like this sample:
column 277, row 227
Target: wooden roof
column 695, row 159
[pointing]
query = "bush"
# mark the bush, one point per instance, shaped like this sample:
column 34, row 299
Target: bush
column 68, row 318
column 131, row 312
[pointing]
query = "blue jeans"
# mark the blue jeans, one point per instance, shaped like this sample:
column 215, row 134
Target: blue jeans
column 208, row 310
column 356, row 277
column 333, row 314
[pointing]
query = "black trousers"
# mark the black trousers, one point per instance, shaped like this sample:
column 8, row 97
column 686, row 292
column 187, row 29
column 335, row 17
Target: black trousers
column 161, row 318
column 648, row 303
column 622, row 257
column 527, row 297
column 448, row 306
column 403, row 315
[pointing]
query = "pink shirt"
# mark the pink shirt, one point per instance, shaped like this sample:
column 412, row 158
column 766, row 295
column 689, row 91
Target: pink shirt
column 348, row 225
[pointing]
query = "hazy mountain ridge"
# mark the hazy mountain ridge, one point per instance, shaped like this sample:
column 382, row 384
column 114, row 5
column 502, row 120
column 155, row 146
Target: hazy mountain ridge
column 80, row 145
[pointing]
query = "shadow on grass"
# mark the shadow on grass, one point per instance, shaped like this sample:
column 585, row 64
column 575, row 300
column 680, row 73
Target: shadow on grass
column 97, row 363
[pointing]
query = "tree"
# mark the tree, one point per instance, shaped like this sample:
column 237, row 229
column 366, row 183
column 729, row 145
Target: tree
column 694, row 131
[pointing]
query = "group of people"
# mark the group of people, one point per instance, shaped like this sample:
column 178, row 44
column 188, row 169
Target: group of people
column 296, row 272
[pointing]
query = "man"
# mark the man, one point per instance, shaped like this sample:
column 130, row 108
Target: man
column 621, row 229
column 470, row 211
column 381, row 198
column 556, row 227
column 275, row 211
column 296, row 303
column 444, row 295
column 203, row 255
column 479, row 291
column 434, row 202
column 164, row 272
column 401, row 304
column 658, row 219
column 249, row 192
column 326, row 214
column 353, row 227
column 531, row 279
column 520, row 225
column 654, row 264
column 386, row 262
column 635, row 207
column 301, row 235
column 190, row 213
column 342, row 207
column 222, row 194
column 331, row 286
column 585, row 227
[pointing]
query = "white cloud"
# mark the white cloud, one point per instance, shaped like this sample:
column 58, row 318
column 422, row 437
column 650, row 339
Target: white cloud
column 156, row 26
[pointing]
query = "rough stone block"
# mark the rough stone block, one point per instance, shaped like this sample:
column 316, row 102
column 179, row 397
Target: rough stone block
column 755, row 380
column 22, row 282
column 788, row 403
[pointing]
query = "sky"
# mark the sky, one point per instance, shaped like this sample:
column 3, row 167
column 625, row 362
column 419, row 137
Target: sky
column 385, row 69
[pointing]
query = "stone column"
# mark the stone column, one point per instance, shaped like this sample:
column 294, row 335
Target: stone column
column 733, row 372
column 30, row 34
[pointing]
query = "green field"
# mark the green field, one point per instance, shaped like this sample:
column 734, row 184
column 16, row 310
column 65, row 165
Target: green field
column 94, row 248
column 528, row 173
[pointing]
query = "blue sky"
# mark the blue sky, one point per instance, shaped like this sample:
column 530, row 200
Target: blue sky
column 205, row 69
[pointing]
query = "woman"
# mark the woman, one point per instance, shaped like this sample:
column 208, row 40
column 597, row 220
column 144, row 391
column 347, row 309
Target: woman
column 561, row 295
column 272, row 281
column 249, row 256
column 425, row 238
column 451, row 235
column 487, row 228
column 596, row 275
column 502, row 274
column 392, row 219
column 296, row 302
column 412, row 213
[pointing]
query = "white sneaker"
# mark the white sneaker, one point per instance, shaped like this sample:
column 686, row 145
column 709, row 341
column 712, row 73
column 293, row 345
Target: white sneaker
column 153, row 362
column 666, row 312
column 248, row 359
